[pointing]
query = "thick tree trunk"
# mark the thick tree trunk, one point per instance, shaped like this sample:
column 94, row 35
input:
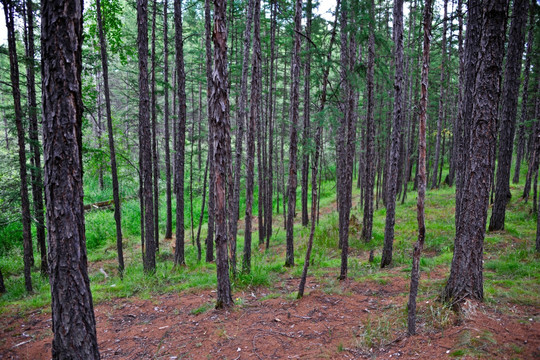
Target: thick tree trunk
column 509, row 107
column 396, row 135
column 466, row 278
column 179, row 257
column 9, row 10
column 219, row 120
column 251, row 130
column 73, row 320
column 145, row 137
column 37, row 180
column 418, row 246
column 114, row 172
column 168, row 222
column 295, row 89
column 211, row 208
column 520, row 148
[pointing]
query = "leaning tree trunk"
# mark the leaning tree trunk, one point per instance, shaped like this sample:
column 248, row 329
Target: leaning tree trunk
column 145, row 138
column 520, row 148
column 293, row 146
column 179, row 257
column 73, row 320
column 466, row 278
column 37, row 180
column 219, row 120
column 251, row 130
column 415, row 272
column 9, row 10
column 396, row 136
column 114, row 172
column 509, row 106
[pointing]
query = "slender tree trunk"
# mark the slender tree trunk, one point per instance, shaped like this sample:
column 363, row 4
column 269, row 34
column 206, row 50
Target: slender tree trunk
column 367, row 228
column 251, row 130
column 145, row 137
column 179, row 257
column 415, row 272
column 295, row 89
column 305, row 136
column 37, row 180
column 510, row 94
column 396, row 135
column 3, row 287
column 168, row 223
column 434, row 178
column 211, row 197
column 534, row 155
column 198, row 241
column 284, row 115
column 219, row 120
column 520, row 148
column 155, row 163
column 114, row 172
column 466, row 278
column 9, row 10
column 73, row 320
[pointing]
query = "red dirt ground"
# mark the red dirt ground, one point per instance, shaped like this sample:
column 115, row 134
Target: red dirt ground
column 365, row 320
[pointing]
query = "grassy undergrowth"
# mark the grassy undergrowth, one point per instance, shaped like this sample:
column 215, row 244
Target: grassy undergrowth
column 512, row 267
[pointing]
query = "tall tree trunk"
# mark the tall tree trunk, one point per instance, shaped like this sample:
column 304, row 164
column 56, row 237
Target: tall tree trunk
column 145, row 138
column 367, row 228
column 114, row 172
column 415, row 272
column 179, row 257
column 211, row 208
column 305, row 136
column 251, row 130
column 466, row 278
column 534, row 156
column 168, row 222
column 198, row 240
column 434, row 178
column 396, row 135
column 510, row 93
column 37, row 180
column 219, row 120
column 73, row 320
column 520, row 148
column 9, row 10
column 272, row 104
column 293, row 145
column 155, row 163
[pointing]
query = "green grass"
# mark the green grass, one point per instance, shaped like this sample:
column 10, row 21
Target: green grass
column 511, row 264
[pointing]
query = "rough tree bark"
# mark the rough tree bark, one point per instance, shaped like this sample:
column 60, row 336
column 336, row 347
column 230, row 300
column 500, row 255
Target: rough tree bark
column 9, row 10
column 415, row 272
column 114, row 172
column 179, row 256
column 153, row 104
column 254, row 114
column 219, row 120
column 73, row 320
column 37, row 180
column 466, row 278
column 396, row 135
column 145, row 138
column 510, row 93
column 293, row 145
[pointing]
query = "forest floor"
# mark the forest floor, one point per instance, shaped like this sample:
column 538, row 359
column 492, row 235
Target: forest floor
column 362, row 317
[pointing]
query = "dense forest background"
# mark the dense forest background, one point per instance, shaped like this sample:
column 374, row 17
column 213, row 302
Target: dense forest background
column 337, row 129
